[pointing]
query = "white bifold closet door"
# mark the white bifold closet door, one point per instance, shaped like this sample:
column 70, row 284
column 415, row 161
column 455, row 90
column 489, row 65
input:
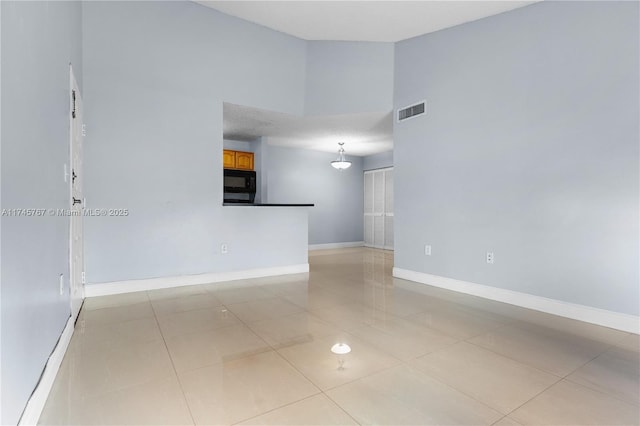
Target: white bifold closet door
column 378, row 208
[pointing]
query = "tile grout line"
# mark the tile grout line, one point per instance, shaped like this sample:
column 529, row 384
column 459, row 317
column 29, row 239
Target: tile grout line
column 497, row 410
column 515, row 360
column 321, row 391
column 562, row 378
column 469, row 340
column 275, row 351
column 123, row 388
column 184, row 396
column 636, row 404
column 206, row 330
column 344, row 410
column 585, row 363
column 499, row 420
column 533, row 397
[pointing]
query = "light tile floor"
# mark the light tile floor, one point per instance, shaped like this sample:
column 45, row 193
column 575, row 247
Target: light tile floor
column 258, row 352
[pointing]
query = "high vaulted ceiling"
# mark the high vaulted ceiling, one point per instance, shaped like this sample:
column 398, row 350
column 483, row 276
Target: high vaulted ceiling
column 386, row 21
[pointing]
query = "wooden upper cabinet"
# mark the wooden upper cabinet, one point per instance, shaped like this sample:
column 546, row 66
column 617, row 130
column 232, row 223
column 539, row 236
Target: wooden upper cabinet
column 244, row 160
column 237, row 160
column 229, row 159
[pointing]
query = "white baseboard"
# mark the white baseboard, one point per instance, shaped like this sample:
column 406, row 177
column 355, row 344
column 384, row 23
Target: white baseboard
column 118, row 287
column 38, row 399
column 619, row 321
column 336, row 245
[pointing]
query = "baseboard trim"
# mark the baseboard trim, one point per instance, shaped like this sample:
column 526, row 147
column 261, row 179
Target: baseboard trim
column 619, row 321
column 38, row 399
column 118, row 287
column 336, row 245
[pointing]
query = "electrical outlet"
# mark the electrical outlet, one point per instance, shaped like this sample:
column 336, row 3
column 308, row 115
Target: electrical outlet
column 427, row 250
column 224, row 249
column 490, row 257
column 61, row 284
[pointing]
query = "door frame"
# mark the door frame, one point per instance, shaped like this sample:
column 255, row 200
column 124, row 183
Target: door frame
column 73, row 108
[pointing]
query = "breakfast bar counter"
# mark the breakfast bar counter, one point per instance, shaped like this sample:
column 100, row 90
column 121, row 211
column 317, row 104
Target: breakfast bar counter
column 266, row 205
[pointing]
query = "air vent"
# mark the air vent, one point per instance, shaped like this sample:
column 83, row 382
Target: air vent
column 412, row 111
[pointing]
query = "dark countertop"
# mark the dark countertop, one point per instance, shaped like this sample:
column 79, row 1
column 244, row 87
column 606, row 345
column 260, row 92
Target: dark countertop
column 266, row 205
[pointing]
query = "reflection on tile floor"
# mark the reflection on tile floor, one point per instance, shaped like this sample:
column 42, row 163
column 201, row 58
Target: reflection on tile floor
column 258, row 352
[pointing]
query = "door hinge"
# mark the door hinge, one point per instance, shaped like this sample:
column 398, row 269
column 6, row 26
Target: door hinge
column 84, row 130
column 73, row 103
column 84, row 279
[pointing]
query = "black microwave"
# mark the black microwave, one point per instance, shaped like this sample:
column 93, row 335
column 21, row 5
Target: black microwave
column 238, row 182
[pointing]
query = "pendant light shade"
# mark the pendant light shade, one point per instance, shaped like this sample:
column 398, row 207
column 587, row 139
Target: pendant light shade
column 341, row 163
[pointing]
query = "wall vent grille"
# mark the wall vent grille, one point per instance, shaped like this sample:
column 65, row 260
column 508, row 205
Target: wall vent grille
column 412, row 111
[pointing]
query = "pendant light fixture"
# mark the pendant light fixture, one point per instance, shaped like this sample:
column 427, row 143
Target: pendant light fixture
column 341, row 163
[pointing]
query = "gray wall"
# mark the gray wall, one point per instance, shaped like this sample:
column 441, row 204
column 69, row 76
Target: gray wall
column 529, row 149
column 156, row 74
column 39, row 40
column 306, row 176
column 378, row 161
column 348, row 77
column 239, row 145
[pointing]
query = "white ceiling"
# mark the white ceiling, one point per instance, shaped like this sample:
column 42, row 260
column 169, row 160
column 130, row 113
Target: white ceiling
column 388, row 21
column 363, row 134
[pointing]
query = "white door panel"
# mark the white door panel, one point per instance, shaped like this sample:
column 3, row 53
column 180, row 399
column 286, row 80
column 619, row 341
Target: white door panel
column 378, row 231
column 378, row 192
column 368, row 193
column 378, row 209
column 368, row 231
column 388, row 232
column 388, row 191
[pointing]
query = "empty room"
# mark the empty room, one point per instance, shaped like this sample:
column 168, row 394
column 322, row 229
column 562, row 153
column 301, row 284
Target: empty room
column 320, row 212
